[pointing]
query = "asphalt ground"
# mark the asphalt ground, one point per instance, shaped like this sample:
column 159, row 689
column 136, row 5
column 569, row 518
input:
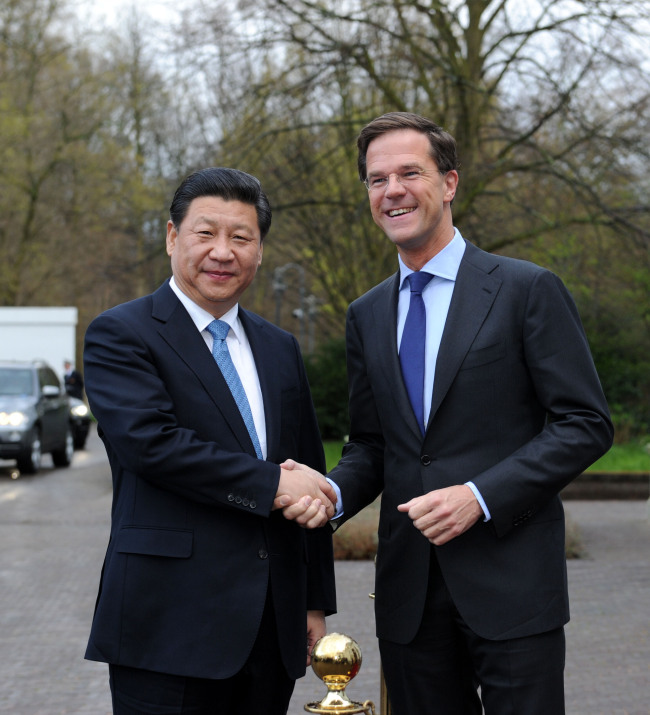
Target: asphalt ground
column 53, row 533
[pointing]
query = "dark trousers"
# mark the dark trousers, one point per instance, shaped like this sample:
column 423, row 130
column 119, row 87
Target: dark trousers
column 261, row 686
column 441, row 670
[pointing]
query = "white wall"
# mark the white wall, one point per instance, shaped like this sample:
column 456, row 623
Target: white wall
column 39, row 334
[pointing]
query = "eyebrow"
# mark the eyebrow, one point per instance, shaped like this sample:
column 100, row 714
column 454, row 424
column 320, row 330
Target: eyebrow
column 402, row 167
column 235, row 227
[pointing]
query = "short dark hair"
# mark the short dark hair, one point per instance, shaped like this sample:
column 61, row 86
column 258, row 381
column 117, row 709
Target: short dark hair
column 228, row 184
column 443, row 145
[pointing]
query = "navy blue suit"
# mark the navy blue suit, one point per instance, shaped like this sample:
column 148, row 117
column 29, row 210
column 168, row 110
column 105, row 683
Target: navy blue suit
column 517, row 409
column 194, row 545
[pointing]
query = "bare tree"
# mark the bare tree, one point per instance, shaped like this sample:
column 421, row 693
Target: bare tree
column 547, row 99
column 550, row 91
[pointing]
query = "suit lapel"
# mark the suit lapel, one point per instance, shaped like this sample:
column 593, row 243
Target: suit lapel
column 179, row 331
column 474, row 293
column 385, row 324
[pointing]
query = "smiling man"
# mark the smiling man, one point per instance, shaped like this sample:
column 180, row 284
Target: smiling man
column 473, row 401
column 210, row 600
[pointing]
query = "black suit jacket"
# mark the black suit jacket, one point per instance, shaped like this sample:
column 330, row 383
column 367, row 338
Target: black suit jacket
column 74, row 384
column 517, row 409
column 194, row 544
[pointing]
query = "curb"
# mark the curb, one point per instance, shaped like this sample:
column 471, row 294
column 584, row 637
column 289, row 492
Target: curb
column 591, row 486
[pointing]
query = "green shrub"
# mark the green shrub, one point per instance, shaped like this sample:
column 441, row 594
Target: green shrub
column 327, row 375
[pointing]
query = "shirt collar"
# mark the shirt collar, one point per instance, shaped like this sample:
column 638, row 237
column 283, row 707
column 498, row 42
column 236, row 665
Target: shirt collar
column 201, row 317
column 444, row 264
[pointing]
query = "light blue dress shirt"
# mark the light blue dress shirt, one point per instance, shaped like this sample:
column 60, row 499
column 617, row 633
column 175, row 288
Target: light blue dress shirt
column 437, row 299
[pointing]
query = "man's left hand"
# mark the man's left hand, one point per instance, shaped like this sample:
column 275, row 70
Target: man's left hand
column 316, row 629
column 443, row 514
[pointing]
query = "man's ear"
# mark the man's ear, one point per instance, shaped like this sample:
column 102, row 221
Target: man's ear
column 172, row 235
column 451, row 184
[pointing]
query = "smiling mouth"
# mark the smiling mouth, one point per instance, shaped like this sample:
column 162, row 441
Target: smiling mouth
column 400, row 212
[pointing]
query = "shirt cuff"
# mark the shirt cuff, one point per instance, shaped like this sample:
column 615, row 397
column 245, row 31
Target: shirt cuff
column 480, row 500
column 339, row 500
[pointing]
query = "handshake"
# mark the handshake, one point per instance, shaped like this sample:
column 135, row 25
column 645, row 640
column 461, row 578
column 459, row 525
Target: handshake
column 304, row 495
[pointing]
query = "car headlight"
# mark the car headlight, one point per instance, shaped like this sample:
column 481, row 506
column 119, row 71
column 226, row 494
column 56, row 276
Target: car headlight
column 12, row 419
column 79, row 410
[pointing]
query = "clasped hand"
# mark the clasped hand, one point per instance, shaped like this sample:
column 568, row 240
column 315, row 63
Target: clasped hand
column 304, row 495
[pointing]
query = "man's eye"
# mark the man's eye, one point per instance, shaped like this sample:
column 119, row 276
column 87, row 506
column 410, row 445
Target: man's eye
column 378, row 181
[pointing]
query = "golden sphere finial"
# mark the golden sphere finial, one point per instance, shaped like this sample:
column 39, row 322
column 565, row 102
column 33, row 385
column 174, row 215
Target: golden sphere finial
column 336, row 659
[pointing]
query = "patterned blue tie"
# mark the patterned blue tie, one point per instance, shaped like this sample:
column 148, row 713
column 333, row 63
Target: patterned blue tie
column 219, row 330
column 411, row 349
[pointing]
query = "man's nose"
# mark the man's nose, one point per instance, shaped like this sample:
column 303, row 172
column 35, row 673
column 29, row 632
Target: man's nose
column 221, row 249
column 394, row 186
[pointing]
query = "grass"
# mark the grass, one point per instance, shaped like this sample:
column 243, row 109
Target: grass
column 332, row 453
column 630, row 457
column 357, row 538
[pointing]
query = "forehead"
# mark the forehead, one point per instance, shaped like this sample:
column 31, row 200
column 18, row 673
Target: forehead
column 217, row 210
column 399, row 148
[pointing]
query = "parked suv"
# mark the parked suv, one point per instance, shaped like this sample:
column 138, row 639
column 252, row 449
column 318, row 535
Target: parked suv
column 34, row 416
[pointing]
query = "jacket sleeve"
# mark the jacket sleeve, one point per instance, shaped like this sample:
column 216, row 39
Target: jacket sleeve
column 360, row 472
column 577, row 429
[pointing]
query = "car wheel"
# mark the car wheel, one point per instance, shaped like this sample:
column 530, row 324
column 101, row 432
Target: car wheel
column 79, row 434
column 80, row 441
column 62, row 457
column 30, row 462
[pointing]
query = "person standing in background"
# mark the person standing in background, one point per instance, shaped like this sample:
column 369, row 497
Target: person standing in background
column 73, row 381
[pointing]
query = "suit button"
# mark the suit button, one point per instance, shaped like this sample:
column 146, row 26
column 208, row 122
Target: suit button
column 425, row 460
column 253, row 505
column 245, row 502
column 231, row 497
column 263, row 554
column 238, row 500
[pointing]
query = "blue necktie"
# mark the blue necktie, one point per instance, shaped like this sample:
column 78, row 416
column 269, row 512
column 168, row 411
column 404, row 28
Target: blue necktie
column 411, row 349
column 219, row 330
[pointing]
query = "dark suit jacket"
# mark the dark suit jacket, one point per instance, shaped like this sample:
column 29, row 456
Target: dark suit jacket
column 194, row 544
column 74, row 384
column 517, row 409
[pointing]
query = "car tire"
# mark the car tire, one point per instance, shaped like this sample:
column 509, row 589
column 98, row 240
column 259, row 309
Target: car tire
column 63, row 457
column 30, row 462
column 80, row 441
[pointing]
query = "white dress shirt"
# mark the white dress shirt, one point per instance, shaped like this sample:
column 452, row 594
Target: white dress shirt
column 240, row 352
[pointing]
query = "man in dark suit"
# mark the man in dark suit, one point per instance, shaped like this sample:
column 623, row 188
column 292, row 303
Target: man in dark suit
column 73, row 381
column 210, row 600
column 507, row 409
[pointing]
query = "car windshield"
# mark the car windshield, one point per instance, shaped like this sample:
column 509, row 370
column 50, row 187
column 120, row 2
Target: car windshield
column 16, row 382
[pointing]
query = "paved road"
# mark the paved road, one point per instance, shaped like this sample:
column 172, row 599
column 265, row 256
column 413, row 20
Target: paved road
column 53, row 533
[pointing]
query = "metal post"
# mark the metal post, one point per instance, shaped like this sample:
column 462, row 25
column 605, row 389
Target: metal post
column 384, row 703
column 312, row 311
column 280, row 285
